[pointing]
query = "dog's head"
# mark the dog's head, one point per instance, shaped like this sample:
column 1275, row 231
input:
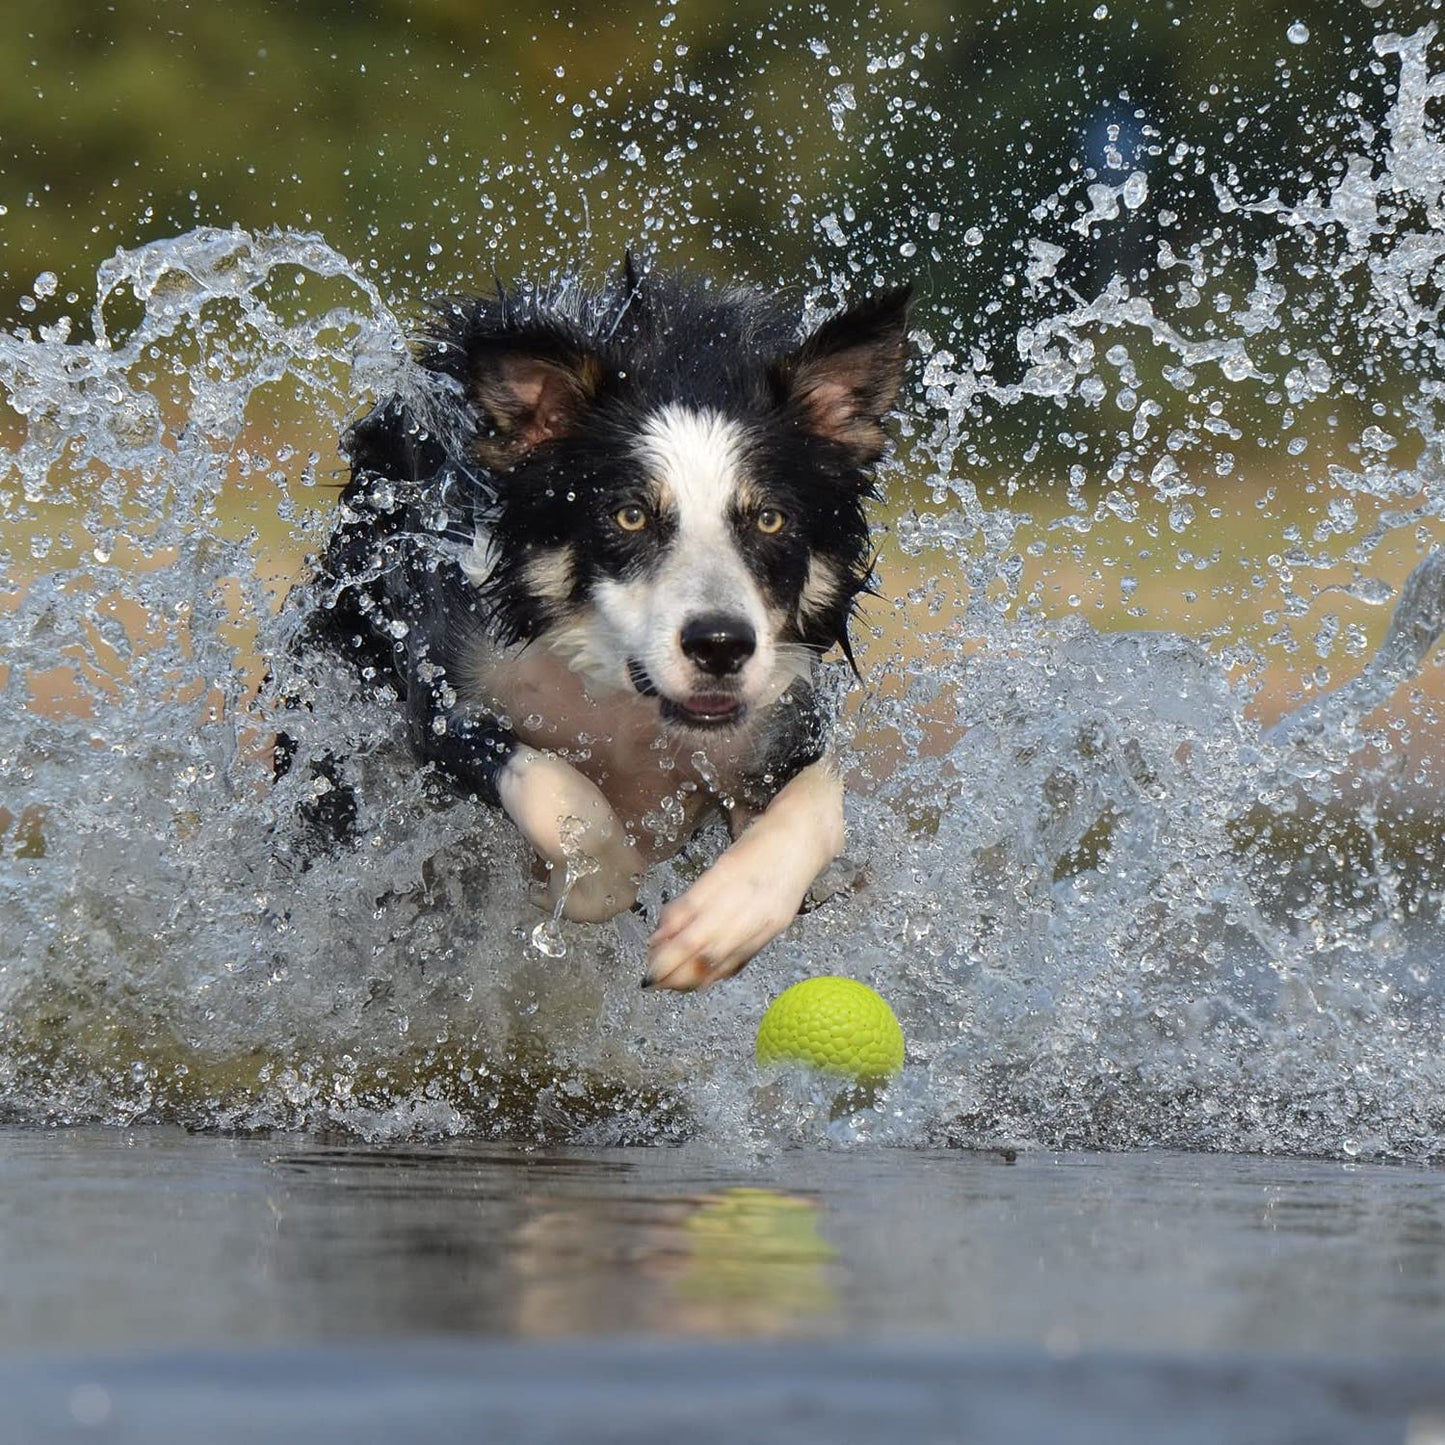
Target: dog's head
column 678, row 482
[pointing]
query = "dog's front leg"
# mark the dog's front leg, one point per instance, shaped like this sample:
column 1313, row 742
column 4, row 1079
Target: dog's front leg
column 593, row 867
column 753, row 892
column 566, row 818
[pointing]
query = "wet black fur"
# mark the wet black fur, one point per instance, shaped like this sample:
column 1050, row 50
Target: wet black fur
column 390, row 595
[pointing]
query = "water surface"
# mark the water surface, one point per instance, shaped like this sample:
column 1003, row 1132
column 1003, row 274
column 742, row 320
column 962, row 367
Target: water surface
column 152, row 1238
column 162, row 1287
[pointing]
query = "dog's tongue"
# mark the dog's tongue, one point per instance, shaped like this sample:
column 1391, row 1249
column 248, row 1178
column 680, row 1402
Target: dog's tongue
column 711, row 704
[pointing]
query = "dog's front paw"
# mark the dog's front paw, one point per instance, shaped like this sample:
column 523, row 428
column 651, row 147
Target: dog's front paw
column 595, row 882
column 593, row 864
column 731, row 913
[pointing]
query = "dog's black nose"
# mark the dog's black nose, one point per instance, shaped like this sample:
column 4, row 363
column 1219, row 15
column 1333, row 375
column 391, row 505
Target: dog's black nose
column 719, row 644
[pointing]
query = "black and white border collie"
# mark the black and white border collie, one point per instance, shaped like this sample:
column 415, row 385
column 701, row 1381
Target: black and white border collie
column 600, row 555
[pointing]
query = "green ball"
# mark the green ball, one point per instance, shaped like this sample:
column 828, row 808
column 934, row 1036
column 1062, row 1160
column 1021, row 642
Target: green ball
column 835, row 1025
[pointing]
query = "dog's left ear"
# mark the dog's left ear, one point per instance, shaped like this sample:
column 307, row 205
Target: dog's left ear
column 844, row 378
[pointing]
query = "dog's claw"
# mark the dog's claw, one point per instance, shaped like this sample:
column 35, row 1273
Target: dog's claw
column 691, row 976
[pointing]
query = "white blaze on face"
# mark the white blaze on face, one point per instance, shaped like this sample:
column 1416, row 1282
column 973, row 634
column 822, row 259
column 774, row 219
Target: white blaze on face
column 696, row 462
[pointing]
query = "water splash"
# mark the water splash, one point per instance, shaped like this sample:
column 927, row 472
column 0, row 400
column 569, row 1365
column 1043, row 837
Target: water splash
column 548, row 937
column 1109, row 908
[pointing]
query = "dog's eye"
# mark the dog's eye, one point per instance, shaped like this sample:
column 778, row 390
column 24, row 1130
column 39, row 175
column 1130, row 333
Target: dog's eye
column 770, row 521
column 631, row 518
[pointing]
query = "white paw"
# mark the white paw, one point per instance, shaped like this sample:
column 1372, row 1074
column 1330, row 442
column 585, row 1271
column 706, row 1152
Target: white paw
column 731, row 913
column 753, row 892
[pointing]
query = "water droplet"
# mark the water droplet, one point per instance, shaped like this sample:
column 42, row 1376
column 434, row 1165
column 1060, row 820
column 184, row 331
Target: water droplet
column 1373, row 591
column 1298, row 33
column 547, row 939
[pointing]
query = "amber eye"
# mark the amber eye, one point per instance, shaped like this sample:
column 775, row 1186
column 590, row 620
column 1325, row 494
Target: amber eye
column 631, row 518
column 770, row 521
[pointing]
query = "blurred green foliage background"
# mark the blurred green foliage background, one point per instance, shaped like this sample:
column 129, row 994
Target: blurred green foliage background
column 445, row 139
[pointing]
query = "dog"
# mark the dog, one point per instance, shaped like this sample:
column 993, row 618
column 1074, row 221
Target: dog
column 599, row 555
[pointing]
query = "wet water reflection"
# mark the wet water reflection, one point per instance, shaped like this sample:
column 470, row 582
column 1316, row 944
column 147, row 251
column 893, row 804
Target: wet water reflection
column 544, row 1245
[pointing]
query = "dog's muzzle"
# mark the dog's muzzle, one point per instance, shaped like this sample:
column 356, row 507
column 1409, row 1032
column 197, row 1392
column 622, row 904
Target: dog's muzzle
column 700, row 710
column 637, row 675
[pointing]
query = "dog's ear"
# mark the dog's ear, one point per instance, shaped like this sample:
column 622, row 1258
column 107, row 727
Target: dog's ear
column 844, row 379
column 633, row 272
column 527, row 394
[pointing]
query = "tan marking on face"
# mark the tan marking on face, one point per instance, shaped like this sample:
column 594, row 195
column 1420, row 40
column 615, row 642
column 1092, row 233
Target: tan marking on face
column 551, row 573
column 750, row 497
column 820, row 590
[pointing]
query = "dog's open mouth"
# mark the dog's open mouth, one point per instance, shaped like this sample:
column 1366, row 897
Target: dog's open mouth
column 699, row 710
column 704, row 710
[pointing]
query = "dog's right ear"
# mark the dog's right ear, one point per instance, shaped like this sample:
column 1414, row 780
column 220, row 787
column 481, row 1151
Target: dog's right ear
column 526, row 393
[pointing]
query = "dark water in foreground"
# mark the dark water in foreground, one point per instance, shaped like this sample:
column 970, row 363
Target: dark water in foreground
column 162, row 1287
